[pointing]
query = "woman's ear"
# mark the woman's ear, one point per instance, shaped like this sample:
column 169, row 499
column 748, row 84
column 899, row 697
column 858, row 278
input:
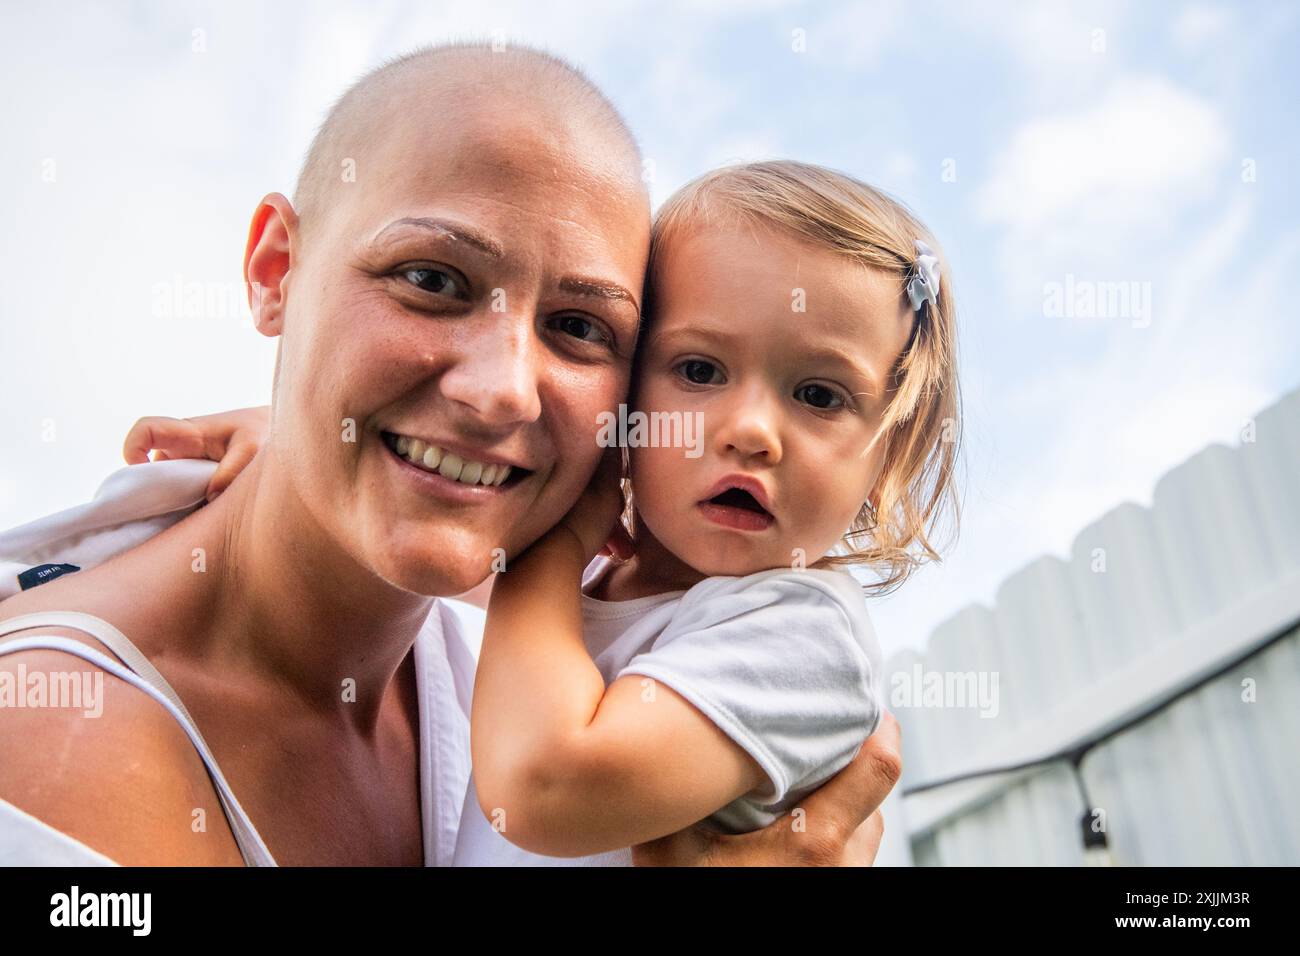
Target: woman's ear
column 268, row 259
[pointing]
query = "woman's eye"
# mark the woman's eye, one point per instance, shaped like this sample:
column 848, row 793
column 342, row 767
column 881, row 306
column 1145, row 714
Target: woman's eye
column 580, row 327
column 818, row 396
column 699, row 372
column 437, row 281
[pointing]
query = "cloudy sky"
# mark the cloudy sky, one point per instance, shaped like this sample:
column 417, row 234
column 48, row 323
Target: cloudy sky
column 1057, row 150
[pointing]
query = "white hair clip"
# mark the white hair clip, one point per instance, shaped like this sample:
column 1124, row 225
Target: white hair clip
column 924, row 285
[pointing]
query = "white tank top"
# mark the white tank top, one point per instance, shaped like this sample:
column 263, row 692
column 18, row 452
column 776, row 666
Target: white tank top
column 134, row 668
column 443, row 746
column 137, row 502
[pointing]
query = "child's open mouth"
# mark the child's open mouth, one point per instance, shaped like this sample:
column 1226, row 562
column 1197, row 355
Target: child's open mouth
column 738, row 509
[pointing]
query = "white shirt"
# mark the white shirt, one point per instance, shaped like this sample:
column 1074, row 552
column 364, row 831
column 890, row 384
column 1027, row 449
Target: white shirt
column 785, row 662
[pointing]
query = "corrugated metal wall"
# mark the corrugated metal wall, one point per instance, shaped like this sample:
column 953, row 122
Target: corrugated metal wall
column 1151, row 603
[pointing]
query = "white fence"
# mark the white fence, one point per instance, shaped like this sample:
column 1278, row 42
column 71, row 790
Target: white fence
column 1151, row 603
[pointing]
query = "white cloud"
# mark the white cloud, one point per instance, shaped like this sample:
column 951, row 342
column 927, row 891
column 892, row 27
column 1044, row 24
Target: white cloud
column 1145, row 146
column 858, row 36
column 1062, row 49
column 1101, row 192
column 1198, row 24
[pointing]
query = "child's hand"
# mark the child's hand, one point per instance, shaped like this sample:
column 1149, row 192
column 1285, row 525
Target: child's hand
column 594, row 519
column 231, row 438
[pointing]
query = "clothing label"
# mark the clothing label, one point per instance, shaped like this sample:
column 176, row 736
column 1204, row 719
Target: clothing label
column 42, row 573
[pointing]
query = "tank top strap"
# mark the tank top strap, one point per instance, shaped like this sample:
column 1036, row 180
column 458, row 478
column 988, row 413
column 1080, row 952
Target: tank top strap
column 136, row 670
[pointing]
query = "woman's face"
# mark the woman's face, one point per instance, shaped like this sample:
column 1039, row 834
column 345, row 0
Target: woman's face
column 480, row 295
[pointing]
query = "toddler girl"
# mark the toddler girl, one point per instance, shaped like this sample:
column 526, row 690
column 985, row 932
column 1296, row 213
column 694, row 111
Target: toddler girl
column 728, row 667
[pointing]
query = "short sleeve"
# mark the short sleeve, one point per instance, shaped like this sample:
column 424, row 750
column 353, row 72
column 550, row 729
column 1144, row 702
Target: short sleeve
column 786, row 664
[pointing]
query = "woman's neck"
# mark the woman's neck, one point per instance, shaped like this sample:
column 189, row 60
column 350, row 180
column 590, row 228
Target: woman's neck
column 269, row 594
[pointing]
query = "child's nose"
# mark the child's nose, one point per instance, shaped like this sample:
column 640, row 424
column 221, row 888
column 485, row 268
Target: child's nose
column 752, row 430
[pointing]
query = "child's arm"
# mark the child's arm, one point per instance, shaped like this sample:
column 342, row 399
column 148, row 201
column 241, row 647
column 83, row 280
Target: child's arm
column 576, row 768
column 231, row 438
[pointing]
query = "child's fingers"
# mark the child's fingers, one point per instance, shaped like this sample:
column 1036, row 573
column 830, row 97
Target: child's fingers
column 619, row 547
column 236, row 459
column 173, row 437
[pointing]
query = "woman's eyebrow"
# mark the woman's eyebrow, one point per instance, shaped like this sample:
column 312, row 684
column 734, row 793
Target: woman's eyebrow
column 459, row 232
column 599, row 288
column 455, row 231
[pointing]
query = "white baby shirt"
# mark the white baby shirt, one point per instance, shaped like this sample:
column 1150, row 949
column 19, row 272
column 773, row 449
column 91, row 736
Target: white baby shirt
column 785, row 662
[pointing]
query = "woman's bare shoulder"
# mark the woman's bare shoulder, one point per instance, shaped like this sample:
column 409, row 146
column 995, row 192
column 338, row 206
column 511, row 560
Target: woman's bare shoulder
column 102, row 761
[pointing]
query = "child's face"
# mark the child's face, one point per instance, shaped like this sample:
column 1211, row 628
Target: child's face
column 785, row 349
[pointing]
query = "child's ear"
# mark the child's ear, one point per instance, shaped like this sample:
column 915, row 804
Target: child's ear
column 267, row 261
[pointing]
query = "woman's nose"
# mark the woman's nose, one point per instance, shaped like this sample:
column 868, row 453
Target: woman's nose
column 496, row 375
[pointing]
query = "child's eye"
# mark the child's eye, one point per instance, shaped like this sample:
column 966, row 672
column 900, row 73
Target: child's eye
column 435, row 280
column 699, row 372
column 819, row 396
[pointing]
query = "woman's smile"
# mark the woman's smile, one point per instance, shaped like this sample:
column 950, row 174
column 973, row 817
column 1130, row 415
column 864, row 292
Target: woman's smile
column 450, row 477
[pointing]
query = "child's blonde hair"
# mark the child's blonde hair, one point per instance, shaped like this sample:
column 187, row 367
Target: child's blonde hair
column 921, row 426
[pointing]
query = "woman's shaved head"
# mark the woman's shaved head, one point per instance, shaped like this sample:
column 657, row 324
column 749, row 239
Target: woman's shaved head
column 442, row 84
column 463, row 266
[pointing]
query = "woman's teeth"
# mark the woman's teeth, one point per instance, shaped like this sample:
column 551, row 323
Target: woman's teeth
column 432, row 458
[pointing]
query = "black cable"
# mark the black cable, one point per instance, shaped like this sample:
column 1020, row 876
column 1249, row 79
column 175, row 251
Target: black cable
column 1095, row 844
